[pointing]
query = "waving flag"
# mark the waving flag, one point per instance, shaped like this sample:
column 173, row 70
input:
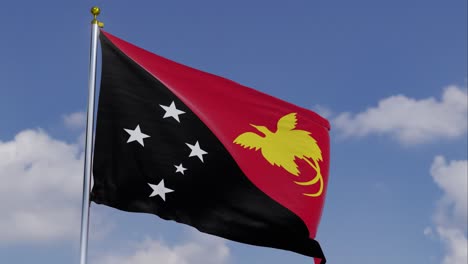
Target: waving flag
column 202, row 150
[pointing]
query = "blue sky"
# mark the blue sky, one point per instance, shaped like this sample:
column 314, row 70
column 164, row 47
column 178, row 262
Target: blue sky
column 391, row 76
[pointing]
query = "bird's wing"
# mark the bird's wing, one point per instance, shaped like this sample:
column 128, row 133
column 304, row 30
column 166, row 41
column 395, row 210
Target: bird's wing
column 249, row 140
column 287, row 122
column 305, row 145
column 282, row 157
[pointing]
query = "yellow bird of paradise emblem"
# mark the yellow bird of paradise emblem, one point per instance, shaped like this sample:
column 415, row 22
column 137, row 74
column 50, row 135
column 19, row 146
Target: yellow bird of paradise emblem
column 282, row 147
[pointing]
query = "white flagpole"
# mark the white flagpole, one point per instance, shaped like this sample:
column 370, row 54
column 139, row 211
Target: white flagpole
column 95, row 24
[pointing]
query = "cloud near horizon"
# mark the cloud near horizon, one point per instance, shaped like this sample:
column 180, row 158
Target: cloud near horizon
column 201, row 249
column 450, row 216
column 409, row 120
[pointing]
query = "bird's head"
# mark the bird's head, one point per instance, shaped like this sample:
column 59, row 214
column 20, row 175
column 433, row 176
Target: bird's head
column 262, row 129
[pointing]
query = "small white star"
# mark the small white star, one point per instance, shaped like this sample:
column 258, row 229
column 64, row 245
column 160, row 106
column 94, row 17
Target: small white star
column 196, row 151
column 136, row 135
column 172, row 111
column 160, row 190
column 180, row 168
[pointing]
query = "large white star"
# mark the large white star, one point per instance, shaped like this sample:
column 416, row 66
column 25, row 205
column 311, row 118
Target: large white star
column 180, row 168
column 136, row 135
column 160, row 190
column 172, row 111
column 196, row 151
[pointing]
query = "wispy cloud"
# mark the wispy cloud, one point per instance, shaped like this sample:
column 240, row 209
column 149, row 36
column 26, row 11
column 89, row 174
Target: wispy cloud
column 450, row 216
column 323, row 111
column 202, row 249
column 410, row 120
column 75, row 120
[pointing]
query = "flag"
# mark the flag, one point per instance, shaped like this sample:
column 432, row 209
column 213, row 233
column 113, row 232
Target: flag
column 205, row 151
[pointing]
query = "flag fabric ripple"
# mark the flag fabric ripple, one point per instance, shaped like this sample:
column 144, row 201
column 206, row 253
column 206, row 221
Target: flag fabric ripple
column 202, row 150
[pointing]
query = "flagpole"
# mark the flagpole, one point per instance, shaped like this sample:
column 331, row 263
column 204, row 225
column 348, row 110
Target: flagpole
column 95, row 24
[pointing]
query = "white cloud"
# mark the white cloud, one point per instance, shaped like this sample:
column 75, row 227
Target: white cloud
column 75, row 120
column 451, row 213
column 40, row 188
column 410, row 120
column 323, row 111
column 452, row 178
column 202, row 249
column 456, row 245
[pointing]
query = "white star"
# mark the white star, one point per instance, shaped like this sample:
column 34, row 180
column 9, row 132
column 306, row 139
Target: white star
column 196, row 151
column 160, row 190
column 136, row 135
column 180, row 168
column 172, row 111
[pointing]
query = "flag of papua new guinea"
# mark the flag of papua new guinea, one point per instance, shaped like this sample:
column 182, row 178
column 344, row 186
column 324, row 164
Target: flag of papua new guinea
column 202, row 150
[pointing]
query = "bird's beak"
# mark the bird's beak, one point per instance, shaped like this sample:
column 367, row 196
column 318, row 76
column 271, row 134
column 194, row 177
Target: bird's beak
column 256, row 127
column 263, row 130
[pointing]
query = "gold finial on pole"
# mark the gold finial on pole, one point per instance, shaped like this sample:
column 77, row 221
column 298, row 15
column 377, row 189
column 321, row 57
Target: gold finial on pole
column 95, row 11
